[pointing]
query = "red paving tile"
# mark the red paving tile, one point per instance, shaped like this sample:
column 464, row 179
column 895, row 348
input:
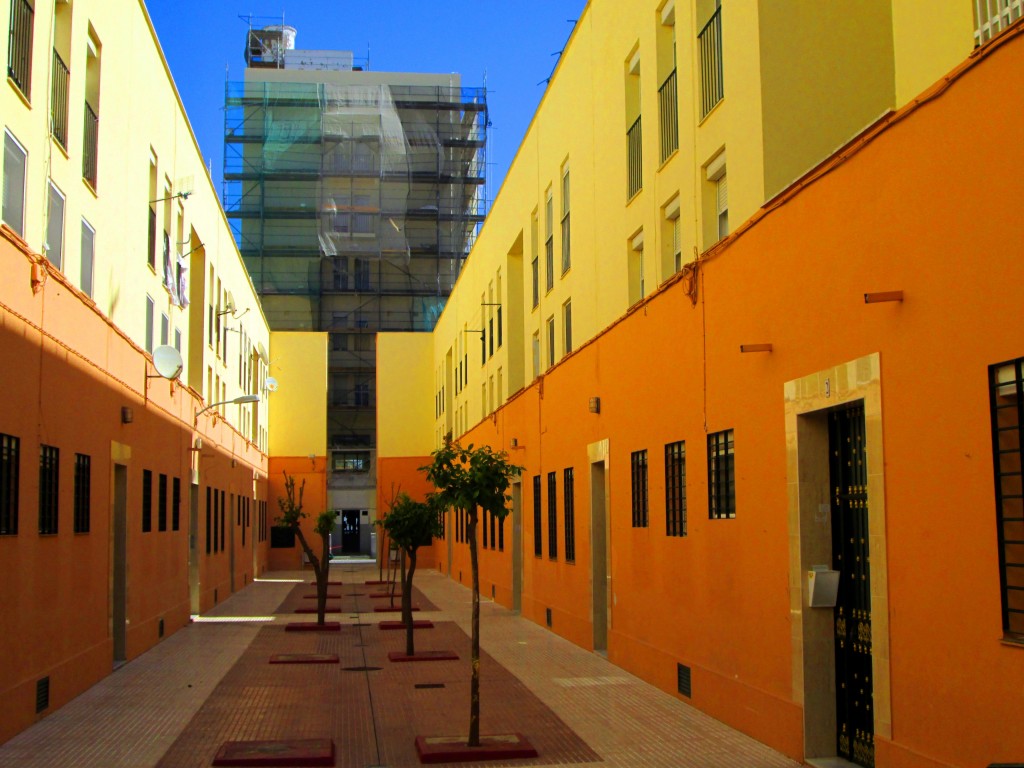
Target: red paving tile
column 297, row 752
column 453, row 749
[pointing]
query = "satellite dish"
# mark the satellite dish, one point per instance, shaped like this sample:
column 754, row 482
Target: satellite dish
column 167, row 362
column 272, row 384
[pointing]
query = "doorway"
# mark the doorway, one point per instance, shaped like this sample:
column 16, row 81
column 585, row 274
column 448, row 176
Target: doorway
column 600, row 573
column 851, row 557
column 119, row 566
column 349, row 531
column 517, row 547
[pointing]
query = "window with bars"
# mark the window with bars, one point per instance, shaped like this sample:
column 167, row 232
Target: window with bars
column 147, row 500
column 483, row 528
column 176, row 504
column 161, row 503
column 494, row 521
column 49, row 488
column 535, row 250
column 501, row 534
column 709, row 42
column 209, row 519
column 638, row 478
column 566, row 252
column 10, row 462
column 567, row 326
column 569, row 513
column 551, row 341
column 1006, row 397
column 552, row 516
column 549, row 241
column 83, row 488
column 721, row 475
column 19, row 51
column 538, row 538
column 675, row 489
column 223, row 515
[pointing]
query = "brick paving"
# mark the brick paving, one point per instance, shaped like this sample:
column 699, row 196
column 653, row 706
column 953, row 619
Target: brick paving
column 211, row 682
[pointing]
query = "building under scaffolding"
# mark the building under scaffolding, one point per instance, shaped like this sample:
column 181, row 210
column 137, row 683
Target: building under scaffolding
column 354, row 197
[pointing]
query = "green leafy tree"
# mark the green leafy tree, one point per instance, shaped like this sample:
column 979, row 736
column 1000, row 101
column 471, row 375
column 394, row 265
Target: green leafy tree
column 410, row 525
column 472, row 479
column 291, row 516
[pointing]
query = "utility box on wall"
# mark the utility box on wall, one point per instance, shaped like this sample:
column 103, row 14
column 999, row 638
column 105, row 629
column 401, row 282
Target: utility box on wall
column 822, row 587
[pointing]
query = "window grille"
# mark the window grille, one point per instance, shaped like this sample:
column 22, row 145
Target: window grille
column 638, row 463
column 19, row 52
column 59, row 100
column 10, row 461
column 634, row 158
column 569, row 513
column 721, row 475
column 147, row 501
column 161, row 503
column 538, row 540
column 709, row 41
column 49, row 488
column 176, row 504
column 668, row 112
column 552, row 516
column 83, row 488
column 675, row 489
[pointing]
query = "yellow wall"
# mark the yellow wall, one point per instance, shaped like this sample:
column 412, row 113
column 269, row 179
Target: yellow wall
column 404, row 409
column 927, row 43
column 298, row 409
column 140, row 114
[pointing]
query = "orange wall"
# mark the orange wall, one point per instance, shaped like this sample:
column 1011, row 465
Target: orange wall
column 314, row 501
column 67, row 375
column 912, row 210
column 403, row 476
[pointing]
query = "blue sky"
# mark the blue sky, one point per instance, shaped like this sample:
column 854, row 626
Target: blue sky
column 512, row 41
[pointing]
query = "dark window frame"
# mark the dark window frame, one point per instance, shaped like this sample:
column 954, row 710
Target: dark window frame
column 161, row 503
column 538, row 534
column 83, row 493
column 722, row 475
column 639, row 488
column 569, row 513
column 175, row 503
column 49, row 490
column 552, row 516
column 10, row 485
column 675, row 488
column 147, row 500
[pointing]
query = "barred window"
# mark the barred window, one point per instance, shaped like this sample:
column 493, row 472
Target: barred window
column 175, row 503
column 538, row 539
column 493, row 527
column 83, row 488
column 675, row 489
column 10, row 461
column 1006, row 396
column 501, row 534
column 49, row 488
column 223, row 515
column 147, row 501
column 638, row 463
column 161, row 503
column 569, row 512
column 483, row 537
column 552, row 516
column 721, row 475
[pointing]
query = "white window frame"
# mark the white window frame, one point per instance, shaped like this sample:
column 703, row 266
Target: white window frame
column 56, row 257
column 19, row 226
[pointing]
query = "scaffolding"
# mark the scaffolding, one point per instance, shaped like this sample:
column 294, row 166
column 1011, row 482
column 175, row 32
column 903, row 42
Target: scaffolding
column 354, row 207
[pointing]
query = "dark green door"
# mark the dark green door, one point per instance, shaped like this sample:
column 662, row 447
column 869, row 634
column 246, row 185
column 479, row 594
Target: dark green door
column 855, row 731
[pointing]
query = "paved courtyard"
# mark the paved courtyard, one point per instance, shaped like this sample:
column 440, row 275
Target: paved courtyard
column 212, row 682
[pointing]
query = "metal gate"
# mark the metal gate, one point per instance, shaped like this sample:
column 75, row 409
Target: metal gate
column 855, row 739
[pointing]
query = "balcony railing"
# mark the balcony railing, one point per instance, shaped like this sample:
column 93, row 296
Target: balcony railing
column 19, row 55
column 635, row 158
column 993, row 16
column 90, row 147
column 668, row 111
column 59, row 101
column 711, row 81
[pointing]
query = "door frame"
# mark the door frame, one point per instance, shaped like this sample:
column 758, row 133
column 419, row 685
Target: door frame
column 119, row 469
column 600, row 546
column 807, row 402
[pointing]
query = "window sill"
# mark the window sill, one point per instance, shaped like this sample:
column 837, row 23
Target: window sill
column 60, row 147
column 714, row 109
column 567, row 270
column 17, row 89
column 1013, row 642
column 90, row 187
column 630, row 200
column 669, row 159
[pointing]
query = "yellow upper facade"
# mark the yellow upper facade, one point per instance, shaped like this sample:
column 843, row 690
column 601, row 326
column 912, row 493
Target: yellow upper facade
column 665, row 126
column 103, row 175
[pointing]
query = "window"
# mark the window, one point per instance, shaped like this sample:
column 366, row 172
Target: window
column 15, row 162
column 567, row 326
column 709, row 42
column 54, row 245
column 209, row 513
column 150, row 319
column 165, row 329
column 569, row 513
column 551, row 341
column 498, row 308
column 637, row 287
column 362, row 274
column 10, row 460
column 536, row 355
column 223, row 510
column 88, row 255
column 716, row 200
column 19, row 53
column 536, row 258
column 671, row 248
column 552, row 516
column 177, row 339
column 1006, row 397
column 153, row 194
column 538, row 539
column 549, row 241
column 350, row 461
column 175, row 503
column 161, row 503
column 722, row 206
column 721, row 475
column 668, row 96
column 49, row 488
column 566, row 260
column 83, row 488
column 675, row 489
column 147, row 501
column 638, row 475
column 634, row 128
column 91, row 134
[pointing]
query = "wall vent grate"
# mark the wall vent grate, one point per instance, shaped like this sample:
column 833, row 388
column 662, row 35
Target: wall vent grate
column 683, row 680
column 547, row 616
column 42, row 694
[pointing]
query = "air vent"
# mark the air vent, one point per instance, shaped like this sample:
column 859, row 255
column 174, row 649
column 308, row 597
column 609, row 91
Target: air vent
column 42, row 694
column 492, row 591
column 683, row 680
column 362, row 669
column 160, row 628
column 547, row 616
column 428, row 685
column 214, row 596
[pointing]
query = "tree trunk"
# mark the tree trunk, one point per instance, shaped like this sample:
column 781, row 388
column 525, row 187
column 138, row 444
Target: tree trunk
column 319, row 572
column 474, row 686
column 399, row 574
column 410, row 649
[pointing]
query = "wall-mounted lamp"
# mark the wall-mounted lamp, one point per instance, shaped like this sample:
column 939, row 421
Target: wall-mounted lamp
column 240, row 400
column 514, row 443
column 594, row 405
column 127, row 415
column 176, row 195
column 755, row 347
column 879, row 296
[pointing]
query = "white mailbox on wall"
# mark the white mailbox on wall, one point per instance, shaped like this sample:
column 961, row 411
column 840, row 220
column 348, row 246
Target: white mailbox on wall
column 822, row 587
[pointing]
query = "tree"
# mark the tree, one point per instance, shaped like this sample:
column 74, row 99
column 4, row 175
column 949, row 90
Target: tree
column 472, row 479
column 410, row 525
column 291, row 515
